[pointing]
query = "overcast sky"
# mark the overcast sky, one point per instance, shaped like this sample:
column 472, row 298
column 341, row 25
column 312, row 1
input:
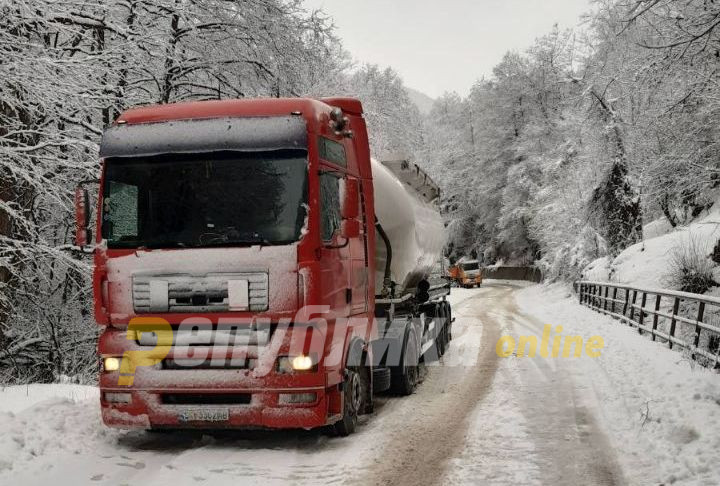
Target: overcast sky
column 444, row 45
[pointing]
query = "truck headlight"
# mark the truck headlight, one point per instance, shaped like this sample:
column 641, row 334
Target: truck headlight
column 303, row 362
column 111, row 364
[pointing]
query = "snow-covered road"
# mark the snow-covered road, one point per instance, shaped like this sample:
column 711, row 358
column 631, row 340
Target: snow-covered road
column 639, row 414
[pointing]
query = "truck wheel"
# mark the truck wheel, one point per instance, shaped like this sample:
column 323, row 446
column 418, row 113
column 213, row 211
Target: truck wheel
column 434, row 352
column 448, row 314
column 404, row 378
column 445, row 308
column 354, row 393
column 381, row 380
column 442, row 338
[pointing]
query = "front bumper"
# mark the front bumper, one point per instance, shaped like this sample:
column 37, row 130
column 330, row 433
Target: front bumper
column 220, row 396
column 147, row 409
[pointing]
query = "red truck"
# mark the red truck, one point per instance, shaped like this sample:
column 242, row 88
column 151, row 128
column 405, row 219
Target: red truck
column 254, row 267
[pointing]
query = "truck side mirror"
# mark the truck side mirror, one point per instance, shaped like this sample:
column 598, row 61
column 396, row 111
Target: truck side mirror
column 350, row 191
column 83, row 235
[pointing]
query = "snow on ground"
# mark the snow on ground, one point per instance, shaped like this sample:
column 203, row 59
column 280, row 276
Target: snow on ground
column 16, row 399
column 60, row 440
column 661, row 413
column 498, row 448
column 52, row 434
column 646, row 263
column 639, row 404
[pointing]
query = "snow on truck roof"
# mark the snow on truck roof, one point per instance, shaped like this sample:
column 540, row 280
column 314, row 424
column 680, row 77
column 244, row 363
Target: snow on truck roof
column 204, row 135
column 309, row 108
column 193, row 127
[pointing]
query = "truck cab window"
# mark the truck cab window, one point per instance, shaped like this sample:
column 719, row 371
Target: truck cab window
column 121, row 200
column 332, row 151
column 219, row 199
column 329, row 205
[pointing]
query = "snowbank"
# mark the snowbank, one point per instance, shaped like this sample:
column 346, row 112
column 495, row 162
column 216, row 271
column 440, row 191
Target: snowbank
column 646, row 264
column 660, row 412
column 16, row 399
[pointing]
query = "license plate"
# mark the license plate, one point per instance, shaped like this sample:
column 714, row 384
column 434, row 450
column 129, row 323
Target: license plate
column 204, row 415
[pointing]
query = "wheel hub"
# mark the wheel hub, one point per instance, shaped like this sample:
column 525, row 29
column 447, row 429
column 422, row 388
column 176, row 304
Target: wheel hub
column 355, row 392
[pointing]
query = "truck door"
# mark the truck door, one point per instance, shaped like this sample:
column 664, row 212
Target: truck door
column 345, row 267
column 335, row 262
column 358, row 259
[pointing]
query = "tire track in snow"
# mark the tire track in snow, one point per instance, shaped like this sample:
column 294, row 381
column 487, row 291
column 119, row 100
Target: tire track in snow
column 434, row 432
column 571, row 446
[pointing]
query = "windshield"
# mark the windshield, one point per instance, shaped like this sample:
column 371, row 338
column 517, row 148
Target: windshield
column 205, row 200
column 471, row 266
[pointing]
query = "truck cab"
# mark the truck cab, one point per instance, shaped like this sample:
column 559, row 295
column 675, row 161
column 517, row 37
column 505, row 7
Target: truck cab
column 235, row 267
column 223, row 223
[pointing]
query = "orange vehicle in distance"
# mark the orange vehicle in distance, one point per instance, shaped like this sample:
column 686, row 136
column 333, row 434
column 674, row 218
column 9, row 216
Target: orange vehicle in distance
column 466, row 274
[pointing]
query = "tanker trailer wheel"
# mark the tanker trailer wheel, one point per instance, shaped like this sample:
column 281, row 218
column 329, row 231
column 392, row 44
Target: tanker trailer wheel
column 440, row 338
column 443, row 338
column 404, row 378
column 355, row 393
column 435, row 352
column 448, row 314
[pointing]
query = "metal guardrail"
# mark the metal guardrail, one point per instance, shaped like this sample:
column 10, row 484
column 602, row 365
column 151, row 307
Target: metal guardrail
column 680, row 319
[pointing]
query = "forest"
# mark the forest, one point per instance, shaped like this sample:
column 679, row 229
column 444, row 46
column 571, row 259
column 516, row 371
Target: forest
column 556, row 159
column 571, row 146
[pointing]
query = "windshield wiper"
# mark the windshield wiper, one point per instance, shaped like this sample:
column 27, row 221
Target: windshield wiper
column 222, row 240
column 162, row 245
column 228, row 243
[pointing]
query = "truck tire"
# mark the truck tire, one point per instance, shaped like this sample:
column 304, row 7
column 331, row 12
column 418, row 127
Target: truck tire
column 434, row 352
column 354, row 394
column 441, row 339
column 404, row 378
column 357, row 397
column 444, row 309
column 381, row 379
column 448, row 313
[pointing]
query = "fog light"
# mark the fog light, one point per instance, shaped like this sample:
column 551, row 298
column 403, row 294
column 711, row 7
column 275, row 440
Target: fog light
column 111, row 364
column 296, row 398
column 118, row 397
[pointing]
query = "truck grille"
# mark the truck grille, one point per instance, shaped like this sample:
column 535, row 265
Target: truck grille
column 209, row 364
column 209, row 293
column 206, row 398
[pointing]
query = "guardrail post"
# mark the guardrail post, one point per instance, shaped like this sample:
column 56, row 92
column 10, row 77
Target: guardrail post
column 614, row 297
column 632, row 307
column 605, row 298
column 582, row 287
column 700, row 317
column 655, row 316
column 596, row 299
column 642, row 312
column 673, row 322
column 627, row 301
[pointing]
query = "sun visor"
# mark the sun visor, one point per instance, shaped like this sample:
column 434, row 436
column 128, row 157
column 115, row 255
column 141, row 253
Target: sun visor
column 250, row 134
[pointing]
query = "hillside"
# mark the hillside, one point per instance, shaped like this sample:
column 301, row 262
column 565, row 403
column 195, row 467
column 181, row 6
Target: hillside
column 421, row 100
column 650, row 263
